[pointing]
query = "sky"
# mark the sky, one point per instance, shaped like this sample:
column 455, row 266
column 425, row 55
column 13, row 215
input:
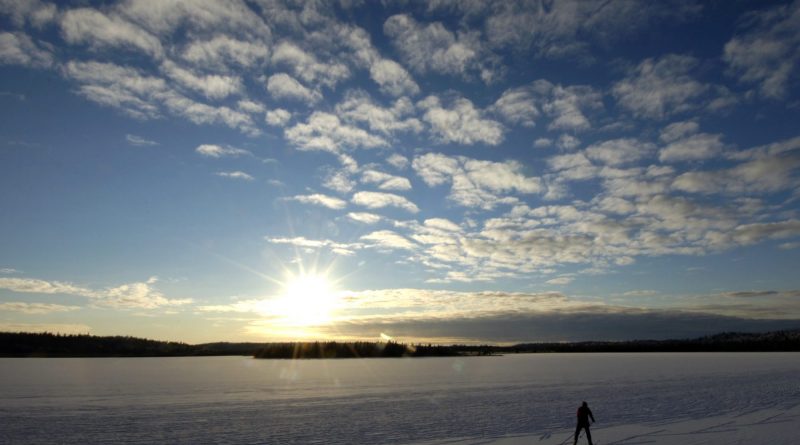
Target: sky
column 442, row 171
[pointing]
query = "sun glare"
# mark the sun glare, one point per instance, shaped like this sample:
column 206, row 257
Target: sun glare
column 307, row 300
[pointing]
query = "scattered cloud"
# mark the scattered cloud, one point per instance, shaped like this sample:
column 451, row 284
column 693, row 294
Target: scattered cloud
column 460, row 123
column 218, row 151
column 377, row 200
column 35, row 308
column 139, row 141
column 284, row 86
column 319, row 199
column 235, row 175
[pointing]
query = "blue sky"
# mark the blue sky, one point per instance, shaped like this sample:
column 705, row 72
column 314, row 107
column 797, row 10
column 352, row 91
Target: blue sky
column 427, row 171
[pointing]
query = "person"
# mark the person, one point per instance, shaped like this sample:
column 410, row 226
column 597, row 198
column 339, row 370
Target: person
column 584, row 414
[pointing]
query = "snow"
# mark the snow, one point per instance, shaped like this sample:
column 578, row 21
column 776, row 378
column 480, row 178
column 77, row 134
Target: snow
column 531, row 399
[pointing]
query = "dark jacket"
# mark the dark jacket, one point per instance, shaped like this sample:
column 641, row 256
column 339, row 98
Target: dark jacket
column 584, row 413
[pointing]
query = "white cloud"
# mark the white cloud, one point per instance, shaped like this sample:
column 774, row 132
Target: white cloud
column 284, row 86
column 566, row 106
column 307, row 67
column 305, row 243
column 678, row 130
column 542, row 143
column 768, row 53
column 560, row 280
column 388, row 239
column 58, row 328
column 475, row 183
column 99, row 31
column 376, row 200
column 339, row 181
column 385, row 181
column 461, row 123
column 249, row 106
column 442, row 224
column 398, row 161
column 218, row 151
column 432, row 47
column 221, row 51
column 319, row 199
column 19, row 49
column 278, row 117
column 141, row 295
column 235, row 175
column 211, row 86
column 324, row 131
column 166, row 17
column 357, row 107
column 35, row 308
column 692, row 148
column 139, row 141
column 517, row 106
column 392, row 78
column 661, row 87
column 567, row 142
column 35, row 12
column 620, row 151
column 364, row 217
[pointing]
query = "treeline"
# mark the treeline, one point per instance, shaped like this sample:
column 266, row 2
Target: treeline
column 724, row 342
column 23, row 344
column 334, row 349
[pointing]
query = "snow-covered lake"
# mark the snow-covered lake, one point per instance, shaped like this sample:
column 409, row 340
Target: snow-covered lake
column 509, row 399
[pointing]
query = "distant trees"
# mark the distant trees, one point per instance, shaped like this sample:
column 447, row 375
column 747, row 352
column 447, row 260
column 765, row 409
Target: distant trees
column 23, row 344
column 334, row 349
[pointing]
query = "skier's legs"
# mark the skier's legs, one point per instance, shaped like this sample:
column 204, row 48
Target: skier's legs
column 588, row 434
column 577, row 432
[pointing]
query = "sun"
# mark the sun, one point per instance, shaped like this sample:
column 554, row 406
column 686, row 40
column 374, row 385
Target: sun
column 306, row 300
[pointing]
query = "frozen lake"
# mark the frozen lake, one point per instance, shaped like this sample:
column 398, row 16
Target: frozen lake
column 242, row 400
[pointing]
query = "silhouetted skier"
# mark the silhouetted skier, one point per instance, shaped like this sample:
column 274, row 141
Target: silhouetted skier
column 584, row 414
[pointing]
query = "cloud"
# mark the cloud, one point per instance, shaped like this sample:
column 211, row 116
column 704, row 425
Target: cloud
column 364, row 217
column 278, row 117
column 222, row 51
column 432, row 47
column 144, row 97
column 620, row 151
column 765, row 169
column 562, row 280
column 567, row 106
column 34, row 12
column 475, row 183
column 345, row 249
column 212, row 86
column 389, row 240
column 100, row 31
column 218, row 151
column 517, row 106
column 339, row 181
column 249, row 106
column 376, row 200
column 692, row 148
column 326, row 132
column 221, row 16
column 571, row 28
column 461, row 123
column 358, row 108
column 658, row 88
column 767, row 52
column 385, row 181
column 137, row 295
column 139, row 141
column 284, row 86
column 235, row 175
column 19, row 49
column 442, row 224
column 319, row 199
column 35, row 308
column 398, row 161
column 393, row 79
column 57, row 328
column 307, row 67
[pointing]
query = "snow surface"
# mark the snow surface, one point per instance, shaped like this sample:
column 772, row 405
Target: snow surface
column 636, row 398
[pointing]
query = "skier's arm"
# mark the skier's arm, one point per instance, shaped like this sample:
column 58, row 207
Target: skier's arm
column 592, row 416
